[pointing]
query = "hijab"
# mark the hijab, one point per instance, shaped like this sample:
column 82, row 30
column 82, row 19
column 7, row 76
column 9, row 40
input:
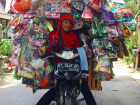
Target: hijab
column 61, row 32
column 66, row 16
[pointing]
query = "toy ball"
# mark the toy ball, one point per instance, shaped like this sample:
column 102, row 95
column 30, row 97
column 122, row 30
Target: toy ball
column 25, row 4
column 17, row 6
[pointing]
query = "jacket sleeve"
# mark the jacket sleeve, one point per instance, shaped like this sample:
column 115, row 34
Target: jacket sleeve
column 51, row 37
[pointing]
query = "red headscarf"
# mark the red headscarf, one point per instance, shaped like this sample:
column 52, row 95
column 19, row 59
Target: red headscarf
column 70, row 38
column 66, row 16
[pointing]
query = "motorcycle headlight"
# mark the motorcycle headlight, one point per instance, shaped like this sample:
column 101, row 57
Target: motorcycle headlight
column 67, row 55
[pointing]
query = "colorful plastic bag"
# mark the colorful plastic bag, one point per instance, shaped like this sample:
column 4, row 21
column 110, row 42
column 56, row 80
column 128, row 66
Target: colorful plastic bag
column 113, row 33
column 95, row 4
column 44, row 82
column 78, row 5
column 97, row 47
column 34, row 4
column 57, row 6
column 127, row 31
column 87, row 14
column 120, row 28
column 100, row 26
column 94, row 29
column 107, row 16
column 103, row 65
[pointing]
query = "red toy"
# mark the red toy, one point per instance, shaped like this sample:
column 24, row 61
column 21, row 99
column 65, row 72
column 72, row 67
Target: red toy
column 25, row 4
column 16, row 5
column 87, row 14
column 95, row 4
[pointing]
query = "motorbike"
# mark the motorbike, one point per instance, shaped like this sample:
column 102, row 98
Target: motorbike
column 67, row 74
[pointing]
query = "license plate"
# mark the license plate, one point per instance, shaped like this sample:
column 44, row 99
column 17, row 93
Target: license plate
column 68, row 67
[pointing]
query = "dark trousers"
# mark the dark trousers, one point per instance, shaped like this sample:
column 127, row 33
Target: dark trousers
column 50, row 95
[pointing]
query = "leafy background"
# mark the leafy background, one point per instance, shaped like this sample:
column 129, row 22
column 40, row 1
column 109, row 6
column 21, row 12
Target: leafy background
column 132, row 42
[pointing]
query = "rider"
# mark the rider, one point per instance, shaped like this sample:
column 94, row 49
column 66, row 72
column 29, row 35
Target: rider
column 70, row 39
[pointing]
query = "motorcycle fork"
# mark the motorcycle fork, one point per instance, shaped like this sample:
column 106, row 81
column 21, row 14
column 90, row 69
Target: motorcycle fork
column 60, row 96
column 68, row 91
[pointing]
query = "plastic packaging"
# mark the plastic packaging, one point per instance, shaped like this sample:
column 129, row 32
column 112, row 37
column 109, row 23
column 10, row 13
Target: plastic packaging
column 103, row 65
column 34, row 4
column 107, row 16
column 86, row 48
column 95, row 4
column 78, row 25
column 78, row 5
column 19, row 6
column 94, row 29
column 120, row 28
column 114, row 32
column 100, row 26
column 87, row 14
column 37, row 63
column 44, row 82
column 97, row 47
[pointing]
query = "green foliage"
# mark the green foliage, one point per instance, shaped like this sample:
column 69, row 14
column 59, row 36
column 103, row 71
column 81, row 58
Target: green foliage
column 132, row 43
column 1, row 72
column 1, row 63
column 3, row 26
column 133, row 1
column 4, row 48
column 132, row 6
column 7, row 48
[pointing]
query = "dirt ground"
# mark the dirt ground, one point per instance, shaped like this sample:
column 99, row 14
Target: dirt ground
column 129, row 71
column 8, row 77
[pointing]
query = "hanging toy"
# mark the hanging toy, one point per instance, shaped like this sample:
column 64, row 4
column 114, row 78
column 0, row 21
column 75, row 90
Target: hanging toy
column 10, row 64
column 15, row 22
column 38, row 63
column 44, row 82
column 36, row 20
column 41, row 10
column 25, row 4
column 43, row 48
column 17, row 6
column 77, row 16
column 42, row 18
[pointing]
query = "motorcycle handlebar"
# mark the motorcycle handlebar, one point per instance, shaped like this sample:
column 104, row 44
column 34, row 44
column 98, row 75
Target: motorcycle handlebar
column 49, row 57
